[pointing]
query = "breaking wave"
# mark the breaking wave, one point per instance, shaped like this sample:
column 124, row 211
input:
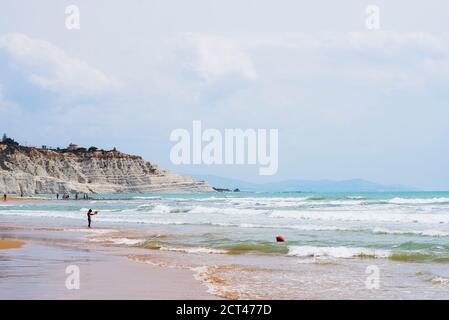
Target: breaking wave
column 398, row 200
column 336, row 252
column 426, row 233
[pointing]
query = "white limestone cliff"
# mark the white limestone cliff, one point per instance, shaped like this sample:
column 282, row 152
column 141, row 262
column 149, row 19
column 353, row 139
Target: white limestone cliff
column 31, row 170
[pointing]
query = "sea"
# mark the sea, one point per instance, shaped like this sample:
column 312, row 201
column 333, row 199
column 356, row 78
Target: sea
column 375, row 245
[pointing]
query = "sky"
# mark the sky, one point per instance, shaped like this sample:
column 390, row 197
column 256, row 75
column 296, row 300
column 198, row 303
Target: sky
column 348, row 101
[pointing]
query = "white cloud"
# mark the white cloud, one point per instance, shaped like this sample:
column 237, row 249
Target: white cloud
column 6, row 105
column 50, row 68
column 388, row 59
column 396, row 43
column 379, row 41
column 221, row 57
column 391, row 60
column 437, row 67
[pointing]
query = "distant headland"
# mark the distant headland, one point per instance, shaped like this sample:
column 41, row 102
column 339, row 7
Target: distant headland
column 76, row 169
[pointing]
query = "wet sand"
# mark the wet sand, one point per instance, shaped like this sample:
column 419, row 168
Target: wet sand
column 113, row 265
column 15, row 198
column 39, row 271
column 10, row 244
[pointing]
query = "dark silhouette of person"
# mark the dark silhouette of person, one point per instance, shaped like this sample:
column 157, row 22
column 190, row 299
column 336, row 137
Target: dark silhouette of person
column 89, row 214
column 4, row 197
column 57, row 196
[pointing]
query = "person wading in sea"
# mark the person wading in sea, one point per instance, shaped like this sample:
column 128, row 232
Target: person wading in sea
column 89, row 214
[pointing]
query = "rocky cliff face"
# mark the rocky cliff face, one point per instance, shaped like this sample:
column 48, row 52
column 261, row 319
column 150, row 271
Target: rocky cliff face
column 32, row 171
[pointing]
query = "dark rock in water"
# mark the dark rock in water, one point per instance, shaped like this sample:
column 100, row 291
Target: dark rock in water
column 236, row 190
column 221, row 189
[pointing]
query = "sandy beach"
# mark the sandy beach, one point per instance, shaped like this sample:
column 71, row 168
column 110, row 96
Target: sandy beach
column 10, row 244
column 38, row 270
column 27, row 198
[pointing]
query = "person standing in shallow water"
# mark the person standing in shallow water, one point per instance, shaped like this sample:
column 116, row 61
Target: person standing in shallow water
column 89, row 214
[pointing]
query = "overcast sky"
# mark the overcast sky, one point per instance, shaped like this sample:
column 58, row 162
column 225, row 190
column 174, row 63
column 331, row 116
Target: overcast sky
column 348, row 102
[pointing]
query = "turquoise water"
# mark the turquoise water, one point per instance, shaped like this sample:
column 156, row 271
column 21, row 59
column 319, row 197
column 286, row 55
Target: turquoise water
column 399, row 226
column 228, row 239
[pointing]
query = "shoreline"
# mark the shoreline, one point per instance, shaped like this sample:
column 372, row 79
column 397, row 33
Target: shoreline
column 225, row 246
column 32, row 198
column 35, row 198
column 123, row 270
column 105, row 272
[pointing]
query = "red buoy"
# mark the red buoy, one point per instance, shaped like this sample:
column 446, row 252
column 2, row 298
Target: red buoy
column 280, row 238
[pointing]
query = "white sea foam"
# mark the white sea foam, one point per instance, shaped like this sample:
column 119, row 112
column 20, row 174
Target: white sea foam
column 440, row 280
column 44, row 214
column 293, row 202
column 226, row 211
column 146, row 205
column 202, row 274
column 295, row 227
column 147, row 198
column 320, row 228
column 127, row 241
column 194, row 250
column 375, row 216
column 268, row 202
column 398, row 200
column 95, row 231
column 428, row 233
column 336, row 252
column 161, row 208
column 237, row 217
